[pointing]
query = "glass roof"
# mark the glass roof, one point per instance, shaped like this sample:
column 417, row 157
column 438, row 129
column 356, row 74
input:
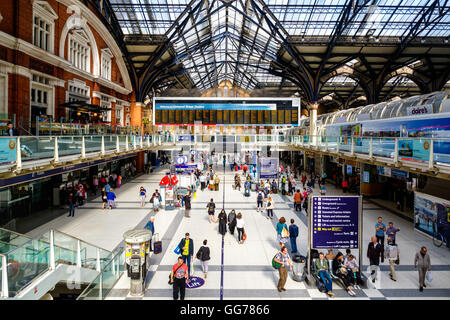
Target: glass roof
column 232, row 40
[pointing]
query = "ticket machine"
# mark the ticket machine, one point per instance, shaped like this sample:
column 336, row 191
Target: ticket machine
column 137, row 258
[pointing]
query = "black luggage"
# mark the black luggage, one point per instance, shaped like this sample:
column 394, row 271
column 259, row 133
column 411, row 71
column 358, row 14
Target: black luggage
column 157, row 244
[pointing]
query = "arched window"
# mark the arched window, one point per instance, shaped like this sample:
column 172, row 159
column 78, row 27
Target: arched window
column 80, row 50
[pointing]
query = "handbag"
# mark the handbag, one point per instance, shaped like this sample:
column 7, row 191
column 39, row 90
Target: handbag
column 284, row 233
column 397, row 262
column 343, row 270
column 429, row 276
column 244, row 236
column 177, row 250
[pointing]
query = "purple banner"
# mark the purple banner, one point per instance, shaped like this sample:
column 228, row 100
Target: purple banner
column 335, row 222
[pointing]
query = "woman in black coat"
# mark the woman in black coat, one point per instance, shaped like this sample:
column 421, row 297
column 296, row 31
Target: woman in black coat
column 232, row 221
column 187, row 201
column 222, row 222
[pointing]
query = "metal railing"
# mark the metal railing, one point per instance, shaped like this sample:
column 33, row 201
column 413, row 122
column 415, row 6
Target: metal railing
column 432, row 151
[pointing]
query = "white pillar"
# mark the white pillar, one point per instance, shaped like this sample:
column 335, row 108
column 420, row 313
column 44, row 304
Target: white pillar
column 148, row 141
column 313, row 106
column 117, row 144
column 396, row 152
column 431, row 159
column 352, row 147
column 134, row 142
column 102, row 151
column 83, row 148
column 126, row 143
column 52, row 250
column 5, row 289
column 56, row 153
column 371, row 148
column 18, row 155
column 78, row 253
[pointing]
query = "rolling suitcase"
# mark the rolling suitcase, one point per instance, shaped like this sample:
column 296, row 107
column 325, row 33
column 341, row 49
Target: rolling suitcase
column 157, row 244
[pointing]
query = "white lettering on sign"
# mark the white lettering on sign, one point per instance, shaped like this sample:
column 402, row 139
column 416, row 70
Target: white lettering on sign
column 419, row 110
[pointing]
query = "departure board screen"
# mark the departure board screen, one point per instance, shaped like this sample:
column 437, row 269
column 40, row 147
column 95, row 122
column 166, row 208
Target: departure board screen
column 237, row 111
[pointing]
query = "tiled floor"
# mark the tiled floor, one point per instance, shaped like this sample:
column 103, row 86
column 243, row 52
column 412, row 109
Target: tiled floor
column 247, row 268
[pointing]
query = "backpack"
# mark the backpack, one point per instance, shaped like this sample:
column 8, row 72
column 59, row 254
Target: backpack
column 260, row 197
column 275, row 265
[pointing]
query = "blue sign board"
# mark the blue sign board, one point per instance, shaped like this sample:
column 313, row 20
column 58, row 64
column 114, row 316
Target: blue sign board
column 8, row 150
column 366, row 176
column 268, row 168
column 214, row 106
column 335, row 222
column 399, row 173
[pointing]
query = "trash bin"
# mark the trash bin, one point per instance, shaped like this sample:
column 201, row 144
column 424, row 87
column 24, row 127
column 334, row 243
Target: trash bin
column 298, row 264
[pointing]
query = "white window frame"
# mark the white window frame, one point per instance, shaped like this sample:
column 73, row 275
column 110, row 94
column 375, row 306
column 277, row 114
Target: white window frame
column 81, row 42
column 49, row 89
column 79, row 89
column 106, row 64
column 43, row 11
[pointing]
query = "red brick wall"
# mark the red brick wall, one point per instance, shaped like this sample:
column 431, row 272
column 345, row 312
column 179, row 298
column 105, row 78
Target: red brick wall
column 18, row 22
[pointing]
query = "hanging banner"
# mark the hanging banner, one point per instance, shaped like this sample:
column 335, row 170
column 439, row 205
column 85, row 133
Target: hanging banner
column 431, row 214
column 8, row 150
column 335, row 222
column 268, row 168
column 414, row 149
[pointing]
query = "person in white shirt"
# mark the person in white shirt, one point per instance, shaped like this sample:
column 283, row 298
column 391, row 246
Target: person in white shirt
column 240, row 223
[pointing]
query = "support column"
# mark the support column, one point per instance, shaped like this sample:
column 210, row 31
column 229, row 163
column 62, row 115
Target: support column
column 136, row 115
column 312, row 107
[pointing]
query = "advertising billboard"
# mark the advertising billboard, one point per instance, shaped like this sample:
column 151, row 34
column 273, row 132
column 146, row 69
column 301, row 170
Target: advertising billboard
column 268, row 168
column 414, row 149
column 8, row 150
column 431, row 214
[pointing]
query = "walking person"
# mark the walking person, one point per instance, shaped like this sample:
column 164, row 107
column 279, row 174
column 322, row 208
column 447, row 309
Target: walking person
column 259, row 201
column 202, row 179
column 187, row 204
column 322, row 272
column 111, row 196
column 71, row 205
column 270, row 206
column 95, row 185
column 297, row 200
column 151, row 226
column 293, row 234
column 179, row 277
column 374, row 252
column 380, row 229
column 186, row 247
column 283, row 258
column 282, row 231
column 392, row 254
column 119, row 181
column 232, row 221
column 203, row 255
column 423, row 264
column 104, row 198
column 240, row 223
column 222, row 222
column 211, row 206
column 391, row 231
column 344, row 186
column 142, row 196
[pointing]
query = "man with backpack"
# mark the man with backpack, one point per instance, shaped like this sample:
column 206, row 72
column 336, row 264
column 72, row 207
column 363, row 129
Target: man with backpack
column 293, row 234
column 259, row 201
column 280, row 262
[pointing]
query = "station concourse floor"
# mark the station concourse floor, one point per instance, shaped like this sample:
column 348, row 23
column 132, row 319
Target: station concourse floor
column 247, row 271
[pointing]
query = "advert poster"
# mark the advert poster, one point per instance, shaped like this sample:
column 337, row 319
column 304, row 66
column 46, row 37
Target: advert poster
column 169, row 193
column 268, row 168
column 414, row 149
column 8, row 150
column 431, row 214
column 335, row 222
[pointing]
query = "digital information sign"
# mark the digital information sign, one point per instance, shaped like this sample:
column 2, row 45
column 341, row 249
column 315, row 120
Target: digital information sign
column 227, row 111
column 335, row 222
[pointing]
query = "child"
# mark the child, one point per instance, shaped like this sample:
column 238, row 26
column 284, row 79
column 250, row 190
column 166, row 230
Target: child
column 111, row 196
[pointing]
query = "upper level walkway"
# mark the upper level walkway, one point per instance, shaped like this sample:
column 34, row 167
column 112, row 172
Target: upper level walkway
column 38, row 153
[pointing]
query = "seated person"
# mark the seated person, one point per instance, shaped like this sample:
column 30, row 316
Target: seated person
column 330, row 255
column 352, row 266
column 340, row 271
column 321, row 266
